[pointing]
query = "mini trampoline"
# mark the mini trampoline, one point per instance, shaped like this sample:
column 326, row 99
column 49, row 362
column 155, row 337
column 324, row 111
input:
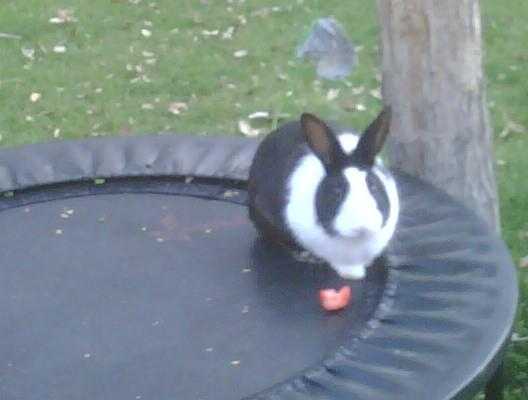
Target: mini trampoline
column 153, row 284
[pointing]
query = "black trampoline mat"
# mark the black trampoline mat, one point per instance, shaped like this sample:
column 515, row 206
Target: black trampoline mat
column 157, row 296
column 195, row 307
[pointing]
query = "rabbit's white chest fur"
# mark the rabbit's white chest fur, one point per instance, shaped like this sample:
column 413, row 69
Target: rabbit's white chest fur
column 361, row 234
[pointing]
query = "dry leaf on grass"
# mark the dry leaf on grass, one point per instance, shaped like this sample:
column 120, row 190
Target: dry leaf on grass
column 242, row 20
column 228, row 33
column 215, row 32
column 240, row 53
column 59, row 49
column 177, row 107
column 28, row 52
column 523, row 263
column 352, row 105
column 376, row 93
column 358, row 90
column 246, row 129
column 332, row 94
column 512, row 127
column 259, row 115
column 268, row 116
column 4, row 35
column 516, row 338
column 63, row 16
column 265, row 11
column 34, row 97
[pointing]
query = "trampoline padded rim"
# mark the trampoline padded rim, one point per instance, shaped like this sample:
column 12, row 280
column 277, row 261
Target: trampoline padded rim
column 105, row 158
column 229, row 158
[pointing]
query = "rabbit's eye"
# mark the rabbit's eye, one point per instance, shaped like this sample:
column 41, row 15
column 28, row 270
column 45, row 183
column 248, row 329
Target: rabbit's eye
column 330, row 196
column 335, row 192
column 338, row 191
column 379, row 193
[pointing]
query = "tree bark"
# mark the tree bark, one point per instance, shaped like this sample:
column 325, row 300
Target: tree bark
column 433, row 80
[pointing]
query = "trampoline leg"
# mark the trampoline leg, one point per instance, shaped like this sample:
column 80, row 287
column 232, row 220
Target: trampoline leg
column 495, row 386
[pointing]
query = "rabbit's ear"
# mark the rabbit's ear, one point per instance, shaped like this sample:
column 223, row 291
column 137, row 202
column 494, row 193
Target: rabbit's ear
column 322, row 141
column 372, row 140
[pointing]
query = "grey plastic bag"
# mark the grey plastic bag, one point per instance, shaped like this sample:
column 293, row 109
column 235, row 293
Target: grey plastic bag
column 328, row 46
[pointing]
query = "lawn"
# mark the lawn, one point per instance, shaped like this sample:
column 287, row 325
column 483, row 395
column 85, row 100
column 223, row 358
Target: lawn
column 122, row 67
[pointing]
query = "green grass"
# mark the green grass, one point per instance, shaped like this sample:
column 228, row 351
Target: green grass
column 188, row 66
column 110, row 73
column 506, row 68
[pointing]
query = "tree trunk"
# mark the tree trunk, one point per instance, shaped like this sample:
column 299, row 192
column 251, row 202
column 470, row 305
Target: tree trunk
column 433, row 79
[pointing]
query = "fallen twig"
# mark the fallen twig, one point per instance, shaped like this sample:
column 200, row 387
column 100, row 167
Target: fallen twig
column 516, row 338
column 4, row 35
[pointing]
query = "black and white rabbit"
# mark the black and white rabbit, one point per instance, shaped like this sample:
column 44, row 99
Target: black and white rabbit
column 329, row 194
